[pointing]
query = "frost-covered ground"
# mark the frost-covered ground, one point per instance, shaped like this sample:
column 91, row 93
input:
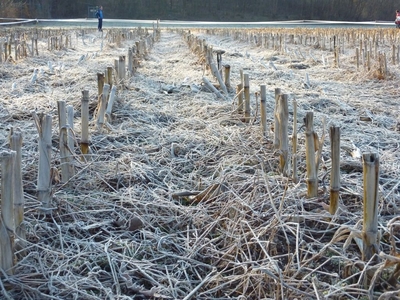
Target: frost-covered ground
column 131, row 224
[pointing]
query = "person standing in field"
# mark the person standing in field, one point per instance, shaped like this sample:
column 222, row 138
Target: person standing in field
column 99, row 16
column 397, row 20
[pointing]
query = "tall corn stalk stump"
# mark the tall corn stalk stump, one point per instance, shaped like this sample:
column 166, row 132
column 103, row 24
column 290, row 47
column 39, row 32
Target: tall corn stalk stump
column 43, row 125
column 370, row 201
column 246, row 98
column 239, row 93
column 294, row 143
column 283, row 120
column 312, row 180
column 263, row 92
column 335, row 170
column 65, row 157
column 85, row 122
column 276, row 122
column 7, row 225
column 102, row 105
column 19, row 201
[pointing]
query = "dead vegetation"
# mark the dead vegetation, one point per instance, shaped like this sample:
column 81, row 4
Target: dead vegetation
column 182, row 200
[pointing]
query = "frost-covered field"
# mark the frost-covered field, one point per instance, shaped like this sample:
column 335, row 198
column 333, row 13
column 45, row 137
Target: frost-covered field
column 132, row 223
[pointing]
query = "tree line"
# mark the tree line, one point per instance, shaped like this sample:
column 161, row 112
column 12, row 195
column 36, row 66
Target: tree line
column 207, row 10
